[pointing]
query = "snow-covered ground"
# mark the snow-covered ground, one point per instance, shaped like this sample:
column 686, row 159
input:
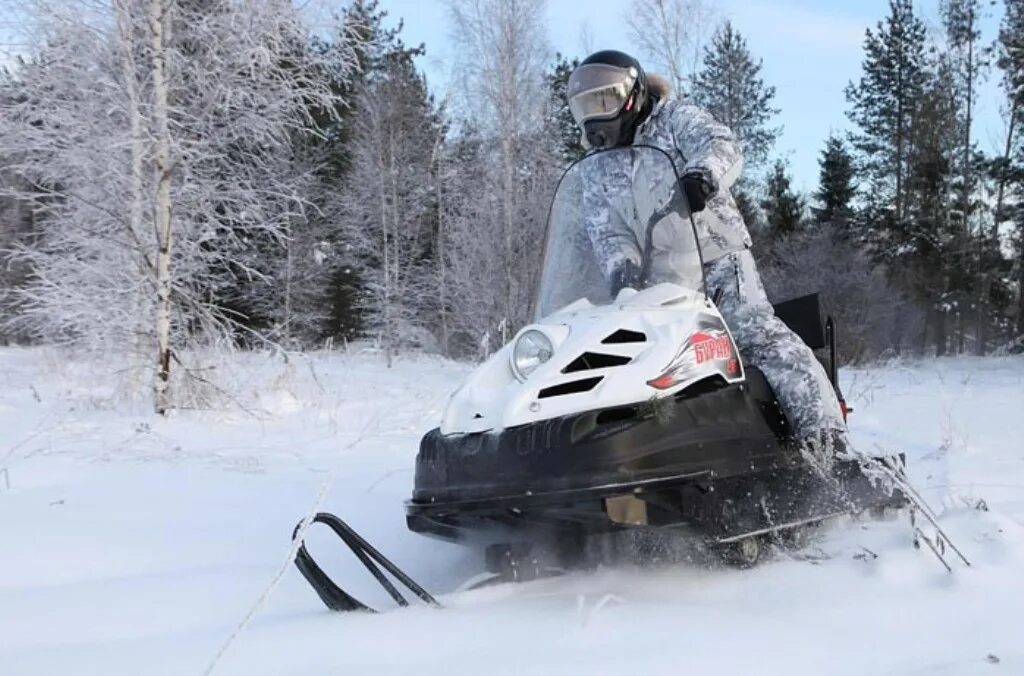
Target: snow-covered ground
column 131, row 544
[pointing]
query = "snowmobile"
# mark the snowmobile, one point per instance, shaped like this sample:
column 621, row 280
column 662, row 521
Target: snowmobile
column 628, row 411
column 632, row 411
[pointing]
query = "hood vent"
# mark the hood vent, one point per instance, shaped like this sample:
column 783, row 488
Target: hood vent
column 593, row 360
column 625, row 336
column 574, row 387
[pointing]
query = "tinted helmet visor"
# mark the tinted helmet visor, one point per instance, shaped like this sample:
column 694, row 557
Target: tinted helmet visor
column 599, row 91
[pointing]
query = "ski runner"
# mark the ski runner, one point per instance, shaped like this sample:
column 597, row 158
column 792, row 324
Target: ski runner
column 616, row 104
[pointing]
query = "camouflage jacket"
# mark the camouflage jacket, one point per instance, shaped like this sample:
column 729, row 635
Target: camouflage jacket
column 696, row 142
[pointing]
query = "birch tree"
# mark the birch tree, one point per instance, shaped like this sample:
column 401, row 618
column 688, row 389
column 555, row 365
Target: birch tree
column 672, row 35
column 495, row 240
column 206, row 98
column 387, row 208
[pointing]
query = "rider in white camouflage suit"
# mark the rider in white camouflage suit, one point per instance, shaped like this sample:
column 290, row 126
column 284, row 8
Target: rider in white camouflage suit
column 615, row 105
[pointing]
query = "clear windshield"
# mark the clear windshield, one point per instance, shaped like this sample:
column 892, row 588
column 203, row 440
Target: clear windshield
column 613, row 206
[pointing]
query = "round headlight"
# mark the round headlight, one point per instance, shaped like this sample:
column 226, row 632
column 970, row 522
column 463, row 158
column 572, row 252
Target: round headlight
column 532, row 349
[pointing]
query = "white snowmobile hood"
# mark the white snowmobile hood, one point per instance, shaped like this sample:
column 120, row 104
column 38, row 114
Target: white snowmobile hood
column 644, row 345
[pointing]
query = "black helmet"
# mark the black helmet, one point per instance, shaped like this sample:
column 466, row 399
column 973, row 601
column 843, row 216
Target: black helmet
column 608, row 98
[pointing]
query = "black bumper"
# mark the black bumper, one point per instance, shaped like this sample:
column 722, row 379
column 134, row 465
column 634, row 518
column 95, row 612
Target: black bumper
column 709, row 434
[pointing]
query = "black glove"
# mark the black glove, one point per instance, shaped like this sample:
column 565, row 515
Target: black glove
column 626, row 275
column 698, row 190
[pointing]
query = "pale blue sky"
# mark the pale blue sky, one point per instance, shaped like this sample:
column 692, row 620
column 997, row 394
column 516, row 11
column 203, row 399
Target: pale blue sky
column 810, row 48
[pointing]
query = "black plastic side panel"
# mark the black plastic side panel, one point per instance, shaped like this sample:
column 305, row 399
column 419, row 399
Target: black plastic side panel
column 803, row 316
column 761, row 392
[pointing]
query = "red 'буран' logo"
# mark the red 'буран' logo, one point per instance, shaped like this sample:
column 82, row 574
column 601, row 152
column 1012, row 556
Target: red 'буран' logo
column 707, row 347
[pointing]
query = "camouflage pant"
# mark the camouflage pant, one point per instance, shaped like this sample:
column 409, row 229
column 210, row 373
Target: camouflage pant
column 795, row 374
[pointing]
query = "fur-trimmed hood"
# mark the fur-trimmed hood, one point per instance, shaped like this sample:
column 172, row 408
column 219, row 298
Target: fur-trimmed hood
column 658, row 86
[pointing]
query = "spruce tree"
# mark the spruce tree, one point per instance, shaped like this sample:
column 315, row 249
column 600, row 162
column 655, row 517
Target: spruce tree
column 837, row 184
column 783, row 208
column 388, row 211
column 730, row 86
column 377, row 49
column 560, row 117
column 883, row 105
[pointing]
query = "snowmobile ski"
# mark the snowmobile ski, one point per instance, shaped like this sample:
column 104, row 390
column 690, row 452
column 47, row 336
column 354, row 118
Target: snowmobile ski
column 937, row 549
column 333, row 596
column 772, row 530
column 940, row 540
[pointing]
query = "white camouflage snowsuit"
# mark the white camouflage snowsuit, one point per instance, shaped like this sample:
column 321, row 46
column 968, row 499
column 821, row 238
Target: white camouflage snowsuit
column 696, row 142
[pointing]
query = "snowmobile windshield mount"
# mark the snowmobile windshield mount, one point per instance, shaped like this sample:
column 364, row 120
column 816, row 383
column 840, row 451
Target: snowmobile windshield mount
column 610, row 206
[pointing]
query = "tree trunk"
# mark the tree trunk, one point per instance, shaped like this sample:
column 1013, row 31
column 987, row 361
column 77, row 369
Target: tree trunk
column 1020, row 285
column 159, row 27
column 981, row 300
column 442, row 289
column 397, row 259
column 924, row 331
column 999, row 216
column 141, row 338
column 386, row 264
column 289, row 272
column 941, row 339
column 960, row 340
column 900, row 108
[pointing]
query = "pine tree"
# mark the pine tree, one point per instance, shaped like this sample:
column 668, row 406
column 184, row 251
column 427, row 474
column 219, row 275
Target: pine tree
column 883, row 105
column 1008, row 170
column 963, row 35
column 930, row 240
column 837, row 186
column 979, row 245
column 730, row 86
column 783, row 208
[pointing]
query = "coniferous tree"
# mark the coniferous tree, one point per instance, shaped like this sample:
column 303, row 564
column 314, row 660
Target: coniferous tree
column 1008, row 170
column 979, row 245
column 730, row 86
column 837, row 185
column 930, row 236
column 386, row 210
column 361, row 36
column 967, row 65
column 561, row 119
column 782, row 207
column 883, row 106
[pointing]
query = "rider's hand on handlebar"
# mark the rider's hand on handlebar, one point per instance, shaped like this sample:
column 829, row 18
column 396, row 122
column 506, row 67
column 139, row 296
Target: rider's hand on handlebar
column 626, row 275
column 698, row 190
